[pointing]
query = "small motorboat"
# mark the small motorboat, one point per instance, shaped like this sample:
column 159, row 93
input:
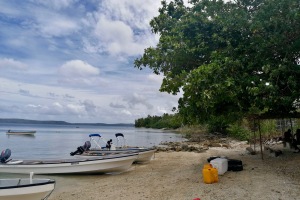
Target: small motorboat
column 144, row 154
column 26, row 188
column 10, row 132
column 87, row 165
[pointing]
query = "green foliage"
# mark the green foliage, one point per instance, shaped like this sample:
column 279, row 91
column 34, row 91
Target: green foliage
column 190, row 131
column 231, row 59
column 268, row 128
column 158, row 122
column 239, row 131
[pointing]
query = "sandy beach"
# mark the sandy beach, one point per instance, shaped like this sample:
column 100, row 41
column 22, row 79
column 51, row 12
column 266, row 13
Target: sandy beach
column 178, row 176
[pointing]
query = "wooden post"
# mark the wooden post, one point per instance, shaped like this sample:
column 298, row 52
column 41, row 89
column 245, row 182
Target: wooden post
column 291, row 123
column 261, row 150
column 254, row 135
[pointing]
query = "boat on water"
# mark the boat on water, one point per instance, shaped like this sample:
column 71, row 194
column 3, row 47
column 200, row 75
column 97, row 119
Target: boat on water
column 87, row 165
column 26, row 188
column 144, row 154
column 10, row 132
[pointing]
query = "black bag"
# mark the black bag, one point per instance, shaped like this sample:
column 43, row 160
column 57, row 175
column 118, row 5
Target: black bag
column 235, row 165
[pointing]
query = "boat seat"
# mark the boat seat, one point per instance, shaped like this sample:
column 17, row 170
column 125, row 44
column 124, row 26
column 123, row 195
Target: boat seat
column 51, row 161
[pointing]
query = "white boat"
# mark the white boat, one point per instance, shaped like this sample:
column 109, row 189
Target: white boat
column 9, row 132
column 26, row 188
column 87, row 165
column 144, row 154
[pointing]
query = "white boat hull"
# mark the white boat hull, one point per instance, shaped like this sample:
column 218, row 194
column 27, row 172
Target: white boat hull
column 107, row 165
column 20, row 132
column 145, row 156
column 26, row 191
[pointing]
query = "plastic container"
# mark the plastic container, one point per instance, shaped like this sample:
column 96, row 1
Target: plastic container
column 221, row 164
column 206, row 166
column 210, row 174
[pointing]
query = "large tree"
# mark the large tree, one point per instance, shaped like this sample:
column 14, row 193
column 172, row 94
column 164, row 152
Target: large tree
column 229, row 58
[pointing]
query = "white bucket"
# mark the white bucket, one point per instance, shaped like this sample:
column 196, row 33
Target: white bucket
column 221, row 164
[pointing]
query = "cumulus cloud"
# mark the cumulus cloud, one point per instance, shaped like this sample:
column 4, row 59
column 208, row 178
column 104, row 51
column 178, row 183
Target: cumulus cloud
column 79, row 73
column 9, row 63
column 89, row 106
column 121, row 28
column 136, row 99
column 117, row 37
column 78, row 68
column 134, row 12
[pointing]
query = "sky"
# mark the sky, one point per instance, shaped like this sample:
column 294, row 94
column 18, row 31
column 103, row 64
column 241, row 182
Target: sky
column 72, row 60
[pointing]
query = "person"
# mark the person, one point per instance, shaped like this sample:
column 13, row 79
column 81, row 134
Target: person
column 108, row 144
column 287, row 137
column 297, row 141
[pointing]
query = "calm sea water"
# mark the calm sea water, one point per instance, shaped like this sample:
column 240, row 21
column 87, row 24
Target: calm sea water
column 57, row 141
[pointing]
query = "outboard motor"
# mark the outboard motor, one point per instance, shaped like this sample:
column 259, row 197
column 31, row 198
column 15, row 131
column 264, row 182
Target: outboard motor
column 5, row 154
column 87, row 145
column 82, row 149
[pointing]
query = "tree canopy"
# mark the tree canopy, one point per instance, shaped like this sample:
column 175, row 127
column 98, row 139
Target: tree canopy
column 231, row 59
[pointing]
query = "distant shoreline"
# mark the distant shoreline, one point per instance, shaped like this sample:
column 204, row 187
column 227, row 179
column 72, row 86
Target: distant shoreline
column 28, row 121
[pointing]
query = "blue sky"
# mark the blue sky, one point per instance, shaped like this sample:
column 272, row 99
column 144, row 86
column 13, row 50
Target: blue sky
column 72, row 60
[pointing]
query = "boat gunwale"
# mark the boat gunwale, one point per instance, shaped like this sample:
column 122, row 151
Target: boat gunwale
column 55, row 162
column 49, row 181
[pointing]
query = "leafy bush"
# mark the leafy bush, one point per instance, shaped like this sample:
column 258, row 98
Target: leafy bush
column 239, row 132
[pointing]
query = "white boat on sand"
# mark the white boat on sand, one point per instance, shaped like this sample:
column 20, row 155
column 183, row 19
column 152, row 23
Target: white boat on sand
column 87, row 165
column 26, row 188
column 144, row 154
column 9, row 132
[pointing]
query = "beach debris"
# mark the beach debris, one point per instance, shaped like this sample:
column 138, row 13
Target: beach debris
column 250, row 150
column 273, row 152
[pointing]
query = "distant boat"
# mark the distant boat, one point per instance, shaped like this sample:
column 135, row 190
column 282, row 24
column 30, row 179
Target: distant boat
column 26, row 188
column 9, row 132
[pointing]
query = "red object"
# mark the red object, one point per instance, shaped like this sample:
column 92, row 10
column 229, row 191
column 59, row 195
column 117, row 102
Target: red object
column 197, row 199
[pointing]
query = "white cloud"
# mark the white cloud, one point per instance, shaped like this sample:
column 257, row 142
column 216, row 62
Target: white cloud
column 78, row 68
column 137, row 13
column 9, row 63
column 121, row 28
column 126, row 112
column 137, row 99
column 55, row 4
column 53, row 75
column 116, row 37
column 54, row 24
column 155, row 78
column 77, row 73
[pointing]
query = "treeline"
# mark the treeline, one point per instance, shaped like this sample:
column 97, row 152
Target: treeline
column 165, row 121
column 232, row 60
column 29, row 121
